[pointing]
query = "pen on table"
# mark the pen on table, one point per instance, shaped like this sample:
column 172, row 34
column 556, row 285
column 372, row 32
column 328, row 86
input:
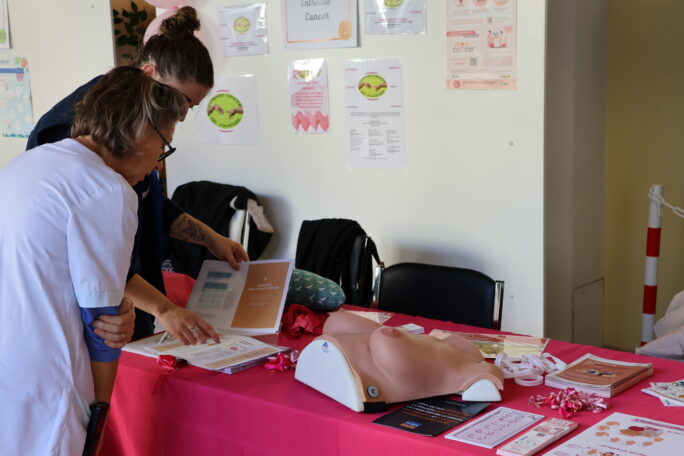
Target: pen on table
column 165, row 337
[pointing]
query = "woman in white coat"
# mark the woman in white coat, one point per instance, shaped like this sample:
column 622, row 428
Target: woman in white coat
column 69, row 217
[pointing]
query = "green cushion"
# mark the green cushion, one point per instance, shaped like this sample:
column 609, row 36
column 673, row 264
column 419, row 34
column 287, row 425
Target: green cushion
column 314, row 291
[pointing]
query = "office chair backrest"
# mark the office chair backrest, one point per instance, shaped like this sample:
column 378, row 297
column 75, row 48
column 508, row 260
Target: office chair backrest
column 441, row 292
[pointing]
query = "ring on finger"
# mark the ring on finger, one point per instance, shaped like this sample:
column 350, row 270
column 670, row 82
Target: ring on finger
column 193, row 327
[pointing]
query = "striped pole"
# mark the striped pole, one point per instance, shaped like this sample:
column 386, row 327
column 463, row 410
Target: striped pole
column 651, row 269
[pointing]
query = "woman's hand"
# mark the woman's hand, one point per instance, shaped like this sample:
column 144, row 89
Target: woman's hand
column 117, row 330
column 227, row 249
column 187, row 326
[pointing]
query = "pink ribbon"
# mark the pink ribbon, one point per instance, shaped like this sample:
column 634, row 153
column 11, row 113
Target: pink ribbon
column 282, row 361
column 170, row 362
column 570, row 401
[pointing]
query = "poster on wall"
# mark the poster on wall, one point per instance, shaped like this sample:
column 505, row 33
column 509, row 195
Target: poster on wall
column 309, row 101
column 4, row 26
column 16, row 111
column 374, row 91
column 230, row 113
column 319, row 24
column 395, row 17
column 481, row 44
column 243, row 30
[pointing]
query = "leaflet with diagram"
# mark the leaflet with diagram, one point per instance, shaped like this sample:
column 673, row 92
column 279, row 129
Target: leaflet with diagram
column 625, row 435
column 248, row 301
column 670, row 393
column 490, row 345
column 491, row 429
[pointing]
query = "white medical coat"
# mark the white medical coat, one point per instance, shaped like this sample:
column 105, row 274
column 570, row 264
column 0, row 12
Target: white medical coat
column 67, row 227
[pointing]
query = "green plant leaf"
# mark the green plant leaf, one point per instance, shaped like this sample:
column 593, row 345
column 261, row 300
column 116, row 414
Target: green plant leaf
column 121, row 40
column 143, row 15
column 133, row 41
column 115, row 13
column 117, row 32
column 134, row 7
column 134, row 20
column 125, row 13
column 141, row 31
column 118, row 20
column 129, row 28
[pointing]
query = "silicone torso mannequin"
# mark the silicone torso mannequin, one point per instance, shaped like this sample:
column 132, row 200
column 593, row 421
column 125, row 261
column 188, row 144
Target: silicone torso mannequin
column 393, row 365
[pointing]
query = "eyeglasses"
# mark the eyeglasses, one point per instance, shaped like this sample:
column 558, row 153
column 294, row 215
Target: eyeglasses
column 168, row 148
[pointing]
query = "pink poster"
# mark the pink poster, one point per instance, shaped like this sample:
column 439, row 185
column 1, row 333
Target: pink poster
column 309, row 105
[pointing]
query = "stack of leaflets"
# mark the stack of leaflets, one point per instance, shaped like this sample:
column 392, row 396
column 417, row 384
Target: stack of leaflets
column 603, row 377
column 537, row 438
column 670, row 393
column 625, row 435
column 490, row 345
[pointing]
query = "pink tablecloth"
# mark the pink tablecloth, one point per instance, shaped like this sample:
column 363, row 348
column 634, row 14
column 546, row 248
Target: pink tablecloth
column 262, row 413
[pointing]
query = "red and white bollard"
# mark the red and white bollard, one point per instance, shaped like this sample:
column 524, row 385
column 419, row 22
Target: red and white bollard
column 651, row 269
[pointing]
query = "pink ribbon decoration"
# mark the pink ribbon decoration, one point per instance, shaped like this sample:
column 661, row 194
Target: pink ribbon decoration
column 282, row 361
column 170, row 362
column 570, row 401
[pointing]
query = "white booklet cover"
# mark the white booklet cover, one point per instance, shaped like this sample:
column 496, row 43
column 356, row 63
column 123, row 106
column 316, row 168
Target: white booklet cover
column 625, row 435
column 493, row 428
column 247, row 301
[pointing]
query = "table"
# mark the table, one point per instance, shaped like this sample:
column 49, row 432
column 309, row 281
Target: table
column 257, row 412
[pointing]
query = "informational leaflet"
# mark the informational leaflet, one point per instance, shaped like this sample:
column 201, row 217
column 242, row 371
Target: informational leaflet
column 309, row 101
column 247, row 301
column 625, row 435
column 431, row 416
column 319, row 24
column 490, row 345
column 243, row 30
column 395, row 17
column 481, row 44
column 4, row 26
column 493, row 428
column 16, row 111
column 233, row 353
column 230, row 113
column 375, row 113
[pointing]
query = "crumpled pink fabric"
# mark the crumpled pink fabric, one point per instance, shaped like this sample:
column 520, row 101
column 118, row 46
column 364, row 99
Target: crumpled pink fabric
column 299, row 320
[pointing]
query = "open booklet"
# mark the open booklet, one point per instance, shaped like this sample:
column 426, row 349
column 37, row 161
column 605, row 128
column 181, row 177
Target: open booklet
column 247, row 301
column 234, row 354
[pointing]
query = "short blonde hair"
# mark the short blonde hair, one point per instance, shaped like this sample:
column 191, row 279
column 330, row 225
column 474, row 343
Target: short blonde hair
column 116, row 110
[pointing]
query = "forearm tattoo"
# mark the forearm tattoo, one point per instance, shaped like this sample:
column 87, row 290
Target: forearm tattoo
column 186, row 229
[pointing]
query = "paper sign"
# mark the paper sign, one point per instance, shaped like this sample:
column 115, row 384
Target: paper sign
column 395, row 17
column 230, row 113
column 16, row 111
column 4, row 26
column 243, row 30
column 319, row 24
column 481, row 44
column 309, row 105
column 375, row 113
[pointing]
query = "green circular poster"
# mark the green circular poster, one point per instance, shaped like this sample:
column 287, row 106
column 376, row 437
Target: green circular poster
column 225, row 110
column 372, row 86
column 241, row 24
column 393, row 3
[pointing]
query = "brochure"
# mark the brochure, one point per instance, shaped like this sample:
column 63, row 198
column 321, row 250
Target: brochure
column 234, row 354
column 493, row 428
column 431, row 416
column 491, row 345
column 537, row 438
column 600, row 376
column 625, row 435
column 671, row 393
column 248, row 301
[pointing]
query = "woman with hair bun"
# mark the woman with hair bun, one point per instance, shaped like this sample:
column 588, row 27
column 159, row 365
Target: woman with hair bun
column 177, row 58
column 65, row 247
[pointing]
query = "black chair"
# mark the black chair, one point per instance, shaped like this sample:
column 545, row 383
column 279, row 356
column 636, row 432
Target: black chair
column 441, row 292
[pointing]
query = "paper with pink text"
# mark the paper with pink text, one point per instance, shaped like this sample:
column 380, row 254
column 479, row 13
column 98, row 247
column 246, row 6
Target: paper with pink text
column 309, row 101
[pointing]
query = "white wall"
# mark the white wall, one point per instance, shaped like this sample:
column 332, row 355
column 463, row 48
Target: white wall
column 472, row 192
column 67, row 42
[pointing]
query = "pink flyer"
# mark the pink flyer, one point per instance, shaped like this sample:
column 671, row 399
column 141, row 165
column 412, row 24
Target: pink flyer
column 309, row 105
